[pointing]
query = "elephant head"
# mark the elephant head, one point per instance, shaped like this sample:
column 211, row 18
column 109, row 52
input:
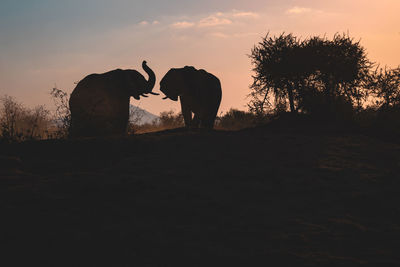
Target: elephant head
column 173, row 83
column 140, row 87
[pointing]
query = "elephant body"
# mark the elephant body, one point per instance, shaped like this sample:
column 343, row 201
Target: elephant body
column 99, row 103
column 199, row 93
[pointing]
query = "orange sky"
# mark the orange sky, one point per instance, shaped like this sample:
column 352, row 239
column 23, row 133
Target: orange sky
column 217, row 41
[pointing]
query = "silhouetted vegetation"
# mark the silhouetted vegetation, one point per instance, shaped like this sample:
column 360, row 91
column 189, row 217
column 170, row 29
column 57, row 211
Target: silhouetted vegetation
column 62, row 114
column 18, row 123
column 135, row 116
column 169, row 120
column 385, row 84
column 166, row 120
column 327, row 80
column 235, row 119
column 316, row 75
column 384, row 112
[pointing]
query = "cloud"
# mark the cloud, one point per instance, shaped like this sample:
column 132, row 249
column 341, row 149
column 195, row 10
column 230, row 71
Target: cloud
column 298, row 10
column 238, row 14
column 182, row 25
column 212, row 21
column 143, row 23
column 156, row 22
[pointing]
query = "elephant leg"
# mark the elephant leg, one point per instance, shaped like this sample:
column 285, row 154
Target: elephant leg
column 187, row 113
column 117, row 125
column 81, row 126
column 209, row 120
column 196, row 121
column 208, row 123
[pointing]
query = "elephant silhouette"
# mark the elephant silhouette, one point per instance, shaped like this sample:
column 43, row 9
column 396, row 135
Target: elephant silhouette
column 199, row 93
column 99, row 103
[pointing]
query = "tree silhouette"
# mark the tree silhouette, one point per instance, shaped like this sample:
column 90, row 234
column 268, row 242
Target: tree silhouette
column 340, row 65
column 276, row 70
column 289, row 69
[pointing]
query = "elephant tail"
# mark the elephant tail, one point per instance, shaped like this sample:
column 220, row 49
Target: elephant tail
column 152, row 78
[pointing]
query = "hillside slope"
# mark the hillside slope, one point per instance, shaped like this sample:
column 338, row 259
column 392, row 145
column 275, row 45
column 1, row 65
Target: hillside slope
column 258, row 197
column 140, row 116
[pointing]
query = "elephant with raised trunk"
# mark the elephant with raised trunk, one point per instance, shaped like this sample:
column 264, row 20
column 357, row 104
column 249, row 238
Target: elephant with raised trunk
column 99, row 103
column 199, row 93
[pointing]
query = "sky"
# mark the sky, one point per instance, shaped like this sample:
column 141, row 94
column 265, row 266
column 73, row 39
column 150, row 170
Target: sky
column 47, row 43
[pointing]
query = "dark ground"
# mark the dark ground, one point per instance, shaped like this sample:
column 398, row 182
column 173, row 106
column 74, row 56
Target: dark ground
column 266, row 196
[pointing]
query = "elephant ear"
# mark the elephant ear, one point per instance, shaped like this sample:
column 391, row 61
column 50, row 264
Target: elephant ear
column 173, row 82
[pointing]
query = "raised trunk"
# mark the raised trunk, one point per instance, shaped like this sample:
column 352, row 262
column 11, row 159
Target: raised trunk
column 152, row 77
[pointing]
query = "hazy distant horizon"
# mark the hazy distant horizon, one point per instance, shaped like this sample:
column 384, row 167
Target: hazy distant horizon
column 46, row 43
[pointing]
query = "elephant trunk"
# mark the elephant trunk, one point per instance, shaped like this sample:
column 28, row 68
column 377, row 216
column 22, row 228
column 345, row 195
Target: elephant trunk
column 152, row 78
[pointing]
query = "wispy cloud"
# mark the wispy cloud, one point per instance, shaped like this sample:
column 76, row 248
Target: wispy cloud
column 144, row 23
column 298, row 10
column 238, row 14
column 182, row 25
column 213, row 20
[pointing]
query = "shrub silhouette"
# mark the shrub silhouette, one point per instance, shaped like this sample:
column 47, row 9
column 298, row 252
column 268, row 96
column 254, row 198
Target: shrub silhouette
column 169, row 120
column 385, row 85
column 235, row 119
column 166, row 120
column 135, row 116
column 62, row 115
column 18, row 123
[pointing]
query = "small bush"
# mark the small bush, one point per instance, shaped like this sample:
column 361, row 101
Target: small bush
column 18, row 123
column 62, row 114
column 167, row 120
column 237, row 119
column 170, row 120
column 135, row 116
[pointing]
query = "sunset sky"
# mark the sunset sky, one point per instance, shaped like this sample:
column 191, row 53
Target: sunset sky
column 48, row 42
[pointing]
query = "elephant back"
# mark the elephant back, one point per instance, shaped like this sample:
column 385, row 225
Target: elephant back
column 99, row 83
column 203, row 88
